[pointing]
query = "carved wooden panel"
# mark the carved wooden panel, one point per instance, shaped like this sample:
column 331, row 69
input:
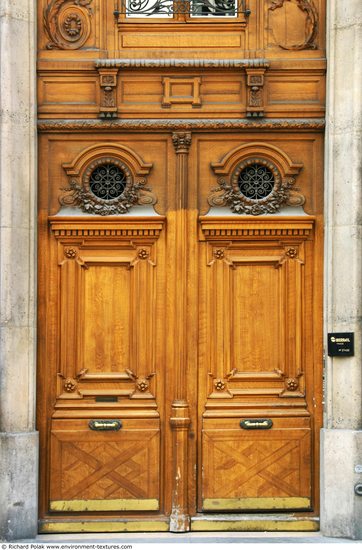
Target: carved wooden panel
column 181, row 91
column 56, row 94
column 281, row 27
column 230, row 40
column 104, row 471
column 106, row 307
column 256, row 469
column 295, row 94
column 293, row 24
column 71, row 25
column 252, row 313
column 232, row 91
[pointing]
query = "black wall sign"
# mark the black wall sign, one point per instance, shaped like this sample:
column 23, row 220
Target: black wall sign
column 340, row 344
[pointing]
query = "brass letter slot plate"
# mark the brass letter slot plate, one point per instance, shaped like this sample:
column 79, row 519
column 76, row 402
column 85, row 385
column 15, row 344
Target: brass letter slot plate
column 106, row 399
column 256, row 424
column 105, row 425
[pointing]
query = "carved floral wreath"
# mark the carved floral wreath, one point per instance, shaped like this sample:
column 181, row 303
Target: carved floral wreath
column 79, row 193
column 229, row 194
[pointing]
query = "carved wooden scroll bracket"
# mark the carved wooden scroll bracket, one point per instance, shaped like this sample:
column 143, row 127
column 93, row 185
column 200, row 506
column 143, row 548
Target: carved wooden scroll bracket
column 255, row 92
column 108, row 84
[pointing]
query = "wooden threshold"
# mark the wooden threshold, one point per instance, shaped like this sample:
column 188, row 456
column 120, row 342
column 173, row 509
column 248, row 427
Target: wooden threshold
column 254, row 522
column 103, row 526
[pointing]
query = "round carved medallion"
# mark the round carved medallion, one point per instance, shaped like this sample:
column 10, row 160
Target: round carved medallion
column 67, row 23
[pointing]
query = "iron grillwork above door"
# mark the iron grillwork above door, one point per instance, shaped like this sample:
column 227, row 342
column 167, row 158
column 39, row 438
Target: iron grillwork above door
column 194, row 8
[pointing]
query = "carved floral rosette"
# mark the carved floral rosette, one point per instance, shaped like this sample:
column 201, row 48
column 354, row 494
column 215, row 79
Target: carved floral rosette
column 79, row 193
column 67, row 23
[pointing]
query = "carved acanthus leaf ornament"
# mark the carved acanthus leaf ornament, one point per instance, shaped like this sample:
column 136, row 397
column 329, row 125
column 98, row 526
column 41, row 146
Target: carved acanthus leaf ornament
column 79, row 196
column 181, row 141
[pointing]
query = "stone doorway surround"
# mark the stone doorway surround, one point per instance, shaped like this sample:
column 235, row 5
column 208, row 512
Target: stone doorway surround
column 341, row 438
column 341, row 509
column 18, row 438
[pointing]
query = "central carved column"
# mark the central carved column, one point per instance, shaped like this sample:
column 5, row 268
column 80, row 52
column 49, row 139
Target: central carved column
column 180, row 417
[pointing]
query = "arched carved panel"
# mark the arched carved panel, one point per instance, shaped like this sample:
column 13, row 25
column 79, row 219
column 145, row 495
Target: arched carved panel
column 109, row 157
column 267, row 162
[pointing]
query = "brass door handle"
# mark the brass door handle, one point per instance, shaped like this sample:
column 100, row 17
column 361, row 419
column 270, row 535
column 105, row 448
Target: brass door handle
column 256, row 424
column 105, row 425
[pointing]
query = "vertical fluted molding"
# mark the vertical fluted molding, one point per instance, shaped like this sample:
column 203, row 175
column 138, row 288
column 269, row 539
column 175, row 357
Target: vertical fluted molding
column 180, row 416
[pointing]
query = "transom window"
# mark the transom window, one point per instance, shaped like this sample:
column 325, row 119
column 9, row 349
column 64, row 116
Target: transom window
column 192, row 8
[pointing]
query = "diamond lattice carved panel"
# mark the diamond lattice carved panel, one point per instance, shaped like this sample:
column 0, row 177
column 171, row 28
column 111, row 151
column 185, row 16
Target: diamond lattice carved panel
column 259, row 469
column 105, row 470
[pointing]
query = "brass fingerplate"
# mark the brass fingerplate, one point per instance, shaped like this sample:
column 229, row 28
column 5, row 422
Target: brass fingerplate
column 112, row 505
column 95, row 526
column 263, row 503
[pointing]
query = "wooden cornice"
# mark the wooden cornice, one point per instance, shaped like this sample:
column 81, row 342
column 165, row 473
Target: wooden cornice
column 142, row 125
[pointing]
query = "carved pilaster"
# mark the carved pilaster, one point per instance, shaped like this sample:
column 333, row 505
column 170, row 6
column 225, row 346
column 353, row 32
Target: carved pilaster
column 180, row 423
column 180, row 419
column 182, row 142
column 108, row 84
column 255, row 92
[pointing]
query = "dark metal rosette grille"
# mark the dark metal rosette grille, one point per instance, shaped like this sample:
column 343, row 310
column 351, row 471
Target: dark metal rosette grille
column 256, row 181
column 107, row 182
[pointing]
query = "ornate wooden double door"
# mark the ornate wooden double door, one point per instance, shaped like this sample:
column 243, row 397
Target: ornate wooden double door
column 179, row 330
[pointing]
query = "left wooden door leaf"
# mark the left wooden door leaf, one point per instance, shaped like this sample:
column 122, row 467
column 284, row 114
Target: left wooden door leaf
column 105, row 454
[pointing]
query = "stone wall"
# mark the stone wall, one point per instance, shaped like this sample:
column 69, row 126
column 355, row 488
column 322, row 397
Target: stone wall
column 341, row 513
column 18, row 439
